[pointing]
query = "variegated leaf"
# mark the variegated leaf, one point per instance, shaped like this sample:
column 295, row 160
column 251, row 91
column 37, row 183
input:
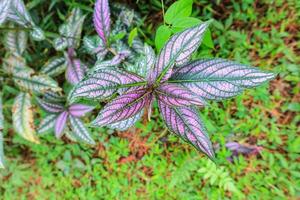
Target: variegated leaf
column 177, row 51
column 49, row 106
column 15, row 41
column 116, row 60
column 47, row 124
column 79, row 110
column 75, row 70
column 4, row 10
column 218, row 79
column 176, row 95
column 125, row 124
column 80, row 131
column 54, row 97
column 150, row 56
column 103, row 83
column 19, row 14
column 22, row 115
column 37, row 34
column 123, row 107
column 102, row 19
column 55, row 66
column 60, row 124
column 1, row 134
column 60, row 44
column 12, row 63
column 186, row 123
column 95, row 45
column 35, row 83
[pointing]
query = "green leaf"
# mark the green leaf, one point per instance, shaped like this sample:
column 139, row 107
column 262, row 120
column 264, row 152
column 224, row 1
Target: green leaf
column 181, row 8
column 22, row 115
column 27, row 80
column 133, row 33
column 182, row 23
column 163, row 33
column 1, row 134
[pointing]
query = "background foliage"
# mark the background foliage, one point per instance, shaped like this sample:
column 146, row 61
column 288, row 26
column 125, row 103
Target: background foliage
column 146, row 161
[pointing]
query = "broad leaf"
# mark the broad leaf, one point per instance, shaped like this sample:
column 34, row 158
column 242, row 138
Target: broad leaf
column 19, row 14
column 181, row 8
column 15, row 41
column 12, row 63
column 102, row 19
column 177, row 51
column 79, row 110
column 75, row 70
column 186, row 123
column 47, row 124
column 125, row 124
column 60, row 124
column 22, row 115
column 123, row 107
column 1, row 133
column 4, row 10
column 36, row 83
column 55, row 66
column 54, row 97
column 163, row 33
column 218, row 79
column 102, row 84
column 176, row 95
column 80, row 131
column 95, row 45
column 50, row 107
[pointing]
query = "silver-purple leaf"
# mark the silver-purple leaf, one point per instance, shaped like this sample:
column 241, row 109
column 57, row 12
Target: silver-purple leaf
column 176, row 95
column 75, row 70
column 54, row 97
column 50, row 107
column 19, row 14
column 186, row 123
column 127, row 123
column 122, row 108
column 55, row 66
column 103, row 83
column 101, row 19
column 15, row 41
column 47, row 124
column 218, row 79
column 79, row 131
column 94, row 45
column 60, row 124
column 4, row 10
column 177, row 51
column 79, row 110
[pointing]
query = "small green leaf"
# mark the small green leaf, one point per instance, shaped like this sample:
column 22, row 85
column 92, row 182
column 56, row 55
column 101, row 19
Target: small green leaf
column 181, row 8
column 163, row 33
column 1, row 134
column 133, row 33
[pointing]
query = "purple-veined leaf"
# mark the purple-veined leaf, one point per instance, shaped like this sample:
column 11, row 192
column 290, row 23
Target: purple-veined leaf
column 244, row 149
column 79, row 110
column 80, row 131
column 218, row 79
column 60, row 124
column 125, row 124
column 123, row 107
column 186, row 123
column 22, row 116
column 75, row 70
column 177, row 51
column 55, row 66
column 94, row 45
column 116, row 60
column 19, row 14
column 102, row 19
column 54, row 97
column 150, row 56
column 1, row 134
column 47, row 124
column 4, row 10
column 103, row 83
column 176, row 95
column 49, row 106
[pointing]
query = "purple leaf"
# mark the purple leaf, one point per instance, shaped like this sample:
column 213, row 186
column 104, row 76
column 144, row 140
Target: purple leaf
column 60, row 124
column 103, row 83
column 186, row 123
column 127, row 123
column 123, row 107
column 50, row 107
column 176, row 95
column 218, row 78
column 75, row 70
column 79, row 110
column 177, row 51
column 102, row 19
column 237, row 148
